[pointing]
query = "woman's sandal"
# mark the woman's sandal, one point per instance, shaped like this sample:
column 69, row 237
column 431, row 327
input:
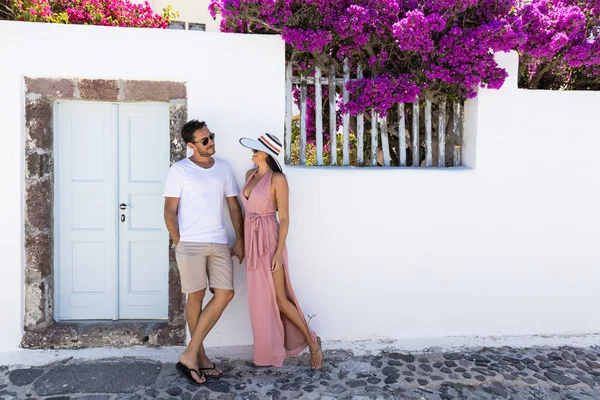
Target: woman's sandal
column 320, row 350
column 187, row 373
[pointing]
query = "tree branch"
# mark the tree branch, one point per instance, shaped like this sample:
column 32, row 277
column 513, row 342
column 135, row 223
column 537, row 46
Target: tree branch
column 6, row 13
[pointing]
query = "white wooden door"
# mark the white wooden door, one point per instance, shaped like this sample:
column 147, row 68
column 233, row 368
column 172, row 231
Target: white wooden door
column 112, row 160
column 143, row 236
column 86, row 167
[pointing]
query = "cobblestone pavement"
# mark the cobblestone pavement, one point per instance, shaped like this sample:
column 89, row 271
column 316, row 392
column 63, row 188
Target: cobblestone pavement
column 498, row 373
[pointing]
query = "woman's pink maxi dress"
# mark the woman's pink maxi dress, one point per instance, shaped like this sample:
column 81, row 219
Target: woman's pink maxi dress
column 274, row 335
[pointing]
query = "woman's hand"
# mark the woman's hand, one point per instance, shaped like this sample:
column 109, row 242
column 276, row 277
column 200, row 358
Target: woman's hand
column 277, row 261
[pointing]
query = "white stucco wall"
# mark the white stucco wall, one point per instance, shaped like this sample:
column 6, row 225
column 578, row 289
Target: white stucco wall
column 508, row 247
column 234, row 82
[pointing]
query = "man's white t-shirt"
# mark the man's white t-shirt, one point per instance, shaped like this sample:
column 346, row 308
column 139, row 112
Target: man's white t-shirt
column 201, row 192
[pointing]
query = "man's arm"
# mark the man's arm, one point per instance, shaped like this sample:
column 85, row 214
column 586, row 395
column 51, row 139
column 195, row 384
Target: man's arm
column 171, row 204
column 235, row 211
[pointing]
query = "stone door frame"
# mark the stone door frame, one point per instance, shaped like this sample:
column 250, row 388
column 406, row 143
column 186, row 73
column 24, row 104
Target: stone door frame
column 41, row 331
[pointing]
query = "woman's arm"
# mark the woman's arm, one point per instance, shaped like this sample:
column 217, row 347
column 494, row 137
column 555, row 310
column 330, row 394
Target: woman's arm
column 280, row 186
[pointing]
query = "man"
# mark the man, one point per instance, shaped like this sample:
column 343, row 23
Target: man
column 194, row 216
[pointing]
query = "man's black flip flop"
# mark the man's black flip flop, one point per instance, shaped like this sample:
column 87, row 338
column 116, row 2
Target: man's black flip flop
column 214, row 367
column 187, row 373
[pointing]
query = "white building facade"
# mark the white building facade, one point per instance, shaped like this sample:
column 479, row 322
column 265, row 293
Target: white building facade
column 504, row 246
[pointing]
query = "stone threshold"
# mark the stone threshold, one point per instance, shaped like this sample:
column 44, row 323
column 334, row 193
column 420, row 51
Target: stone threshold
column 87, row 334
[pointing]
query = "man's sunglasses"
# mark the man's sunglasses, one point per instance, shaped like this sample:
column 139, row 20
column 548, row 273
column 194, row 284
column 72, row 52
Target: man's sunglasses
column 204, row 141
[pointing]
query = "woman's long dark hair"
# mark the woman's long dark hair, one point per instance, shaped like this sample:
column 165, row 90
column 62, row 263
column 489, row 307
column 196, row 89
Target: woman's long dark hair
column 273, row 164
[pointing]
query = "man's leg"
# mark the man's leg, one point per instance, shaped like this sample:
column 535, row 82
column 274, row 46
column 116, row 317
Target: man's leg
column 193, row 309
column 191, row 262
column 208, row 318
column 220, row 275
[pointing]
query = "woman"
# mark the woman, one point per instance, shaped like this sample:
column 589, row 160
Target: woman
column 278, row 324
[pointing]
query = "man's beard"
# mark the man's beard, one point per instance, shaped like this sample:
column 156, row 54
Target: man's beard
column 204, row 153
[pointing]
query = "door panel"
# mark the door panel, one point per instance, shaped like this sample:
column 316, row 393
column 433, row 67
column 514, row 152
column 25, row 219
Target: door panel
column 87, row 181
column 143, row 237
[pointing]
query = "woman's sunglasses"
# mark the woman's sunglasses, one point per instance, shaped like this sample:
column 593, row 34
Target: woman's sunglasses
column 204, row 141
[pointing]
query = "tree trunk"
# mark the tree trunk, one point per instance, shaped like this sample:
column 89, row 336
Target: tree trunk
column 535, row 82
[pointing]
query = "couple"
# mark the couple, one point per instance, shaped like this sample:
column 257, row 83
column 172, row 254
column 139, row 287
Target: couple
column 194, row 216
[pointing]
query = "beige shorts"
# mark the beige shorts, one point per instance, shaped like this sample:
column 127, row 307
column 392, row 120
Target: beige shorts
column 198, row 261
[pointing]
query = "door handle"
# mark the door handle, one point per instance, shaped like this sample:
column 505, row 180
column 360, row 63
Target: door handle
column 123, row 206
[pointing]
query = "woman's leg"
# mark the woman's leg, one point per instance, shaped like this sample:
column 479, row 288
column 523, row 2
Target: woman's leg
column 288, row 308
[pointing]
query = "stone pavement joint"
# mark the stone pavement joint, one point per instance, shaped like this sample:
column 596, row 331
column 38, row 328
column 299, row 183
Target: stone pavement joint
column 486, row 374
